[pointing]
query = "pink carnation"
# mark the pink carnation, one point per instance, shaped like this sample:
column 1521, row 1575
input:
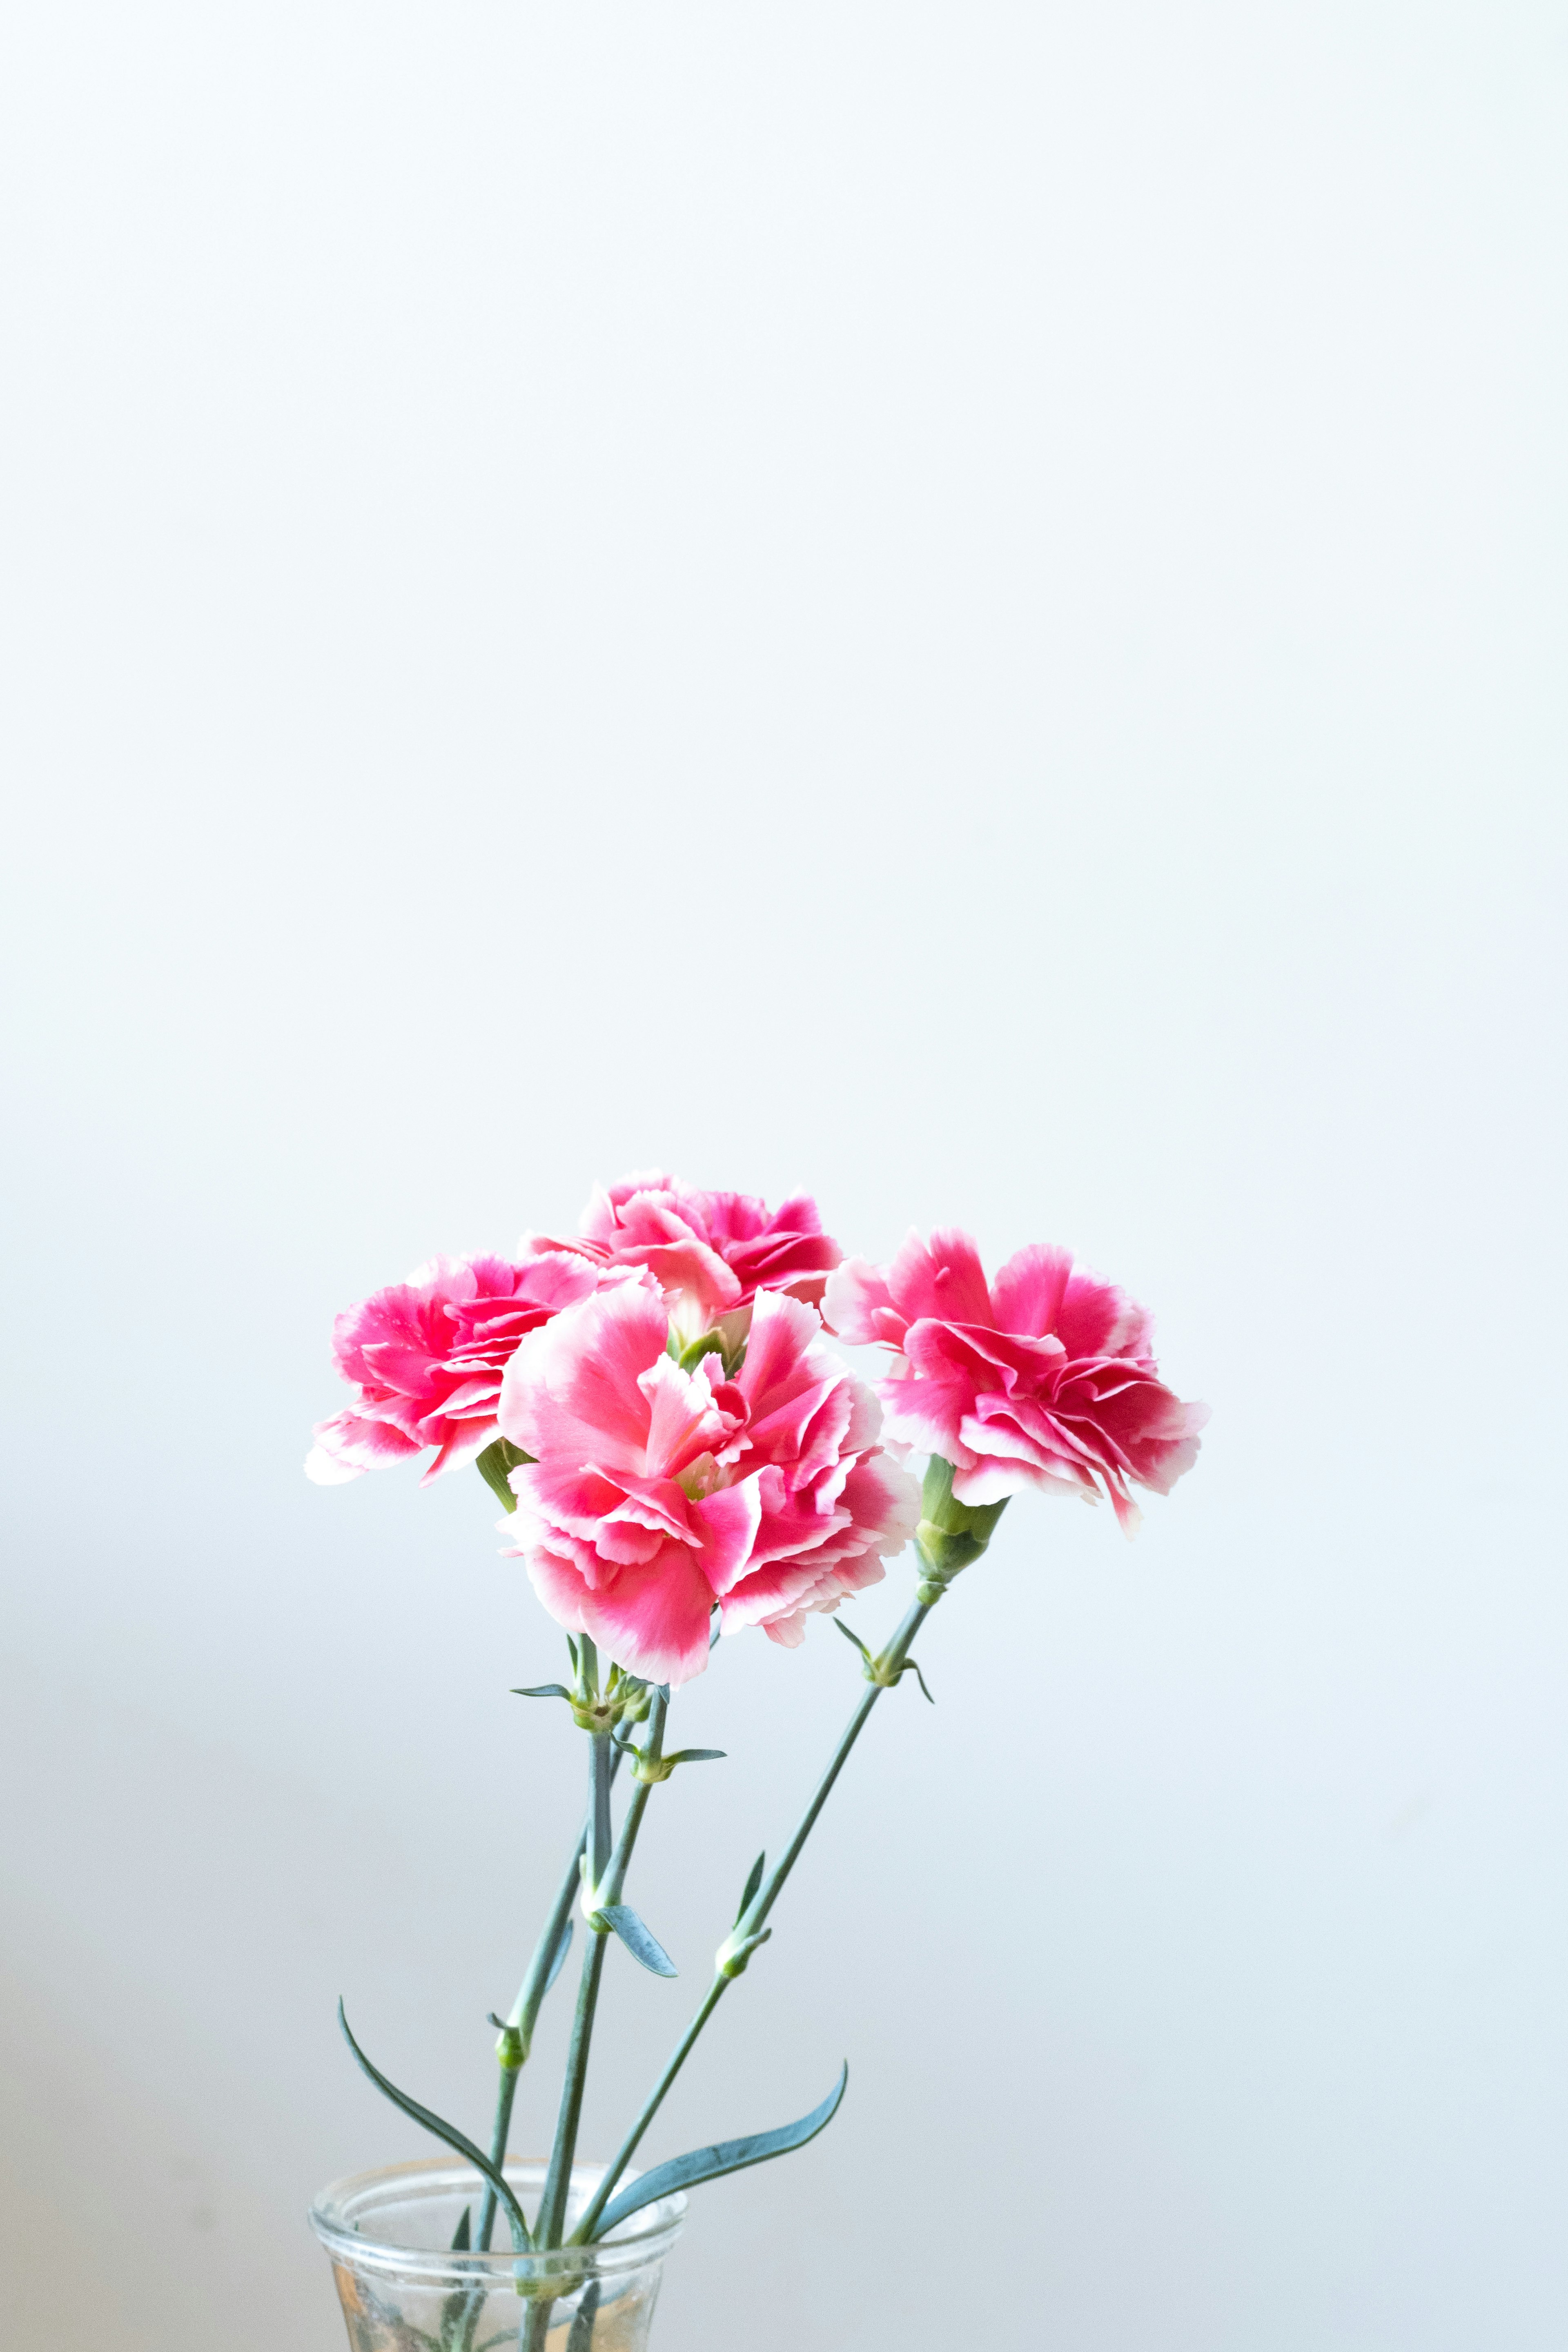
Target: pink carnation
column 427, row 1357
column 710, row 1253
column 1043, row 1378
column 657, row 1493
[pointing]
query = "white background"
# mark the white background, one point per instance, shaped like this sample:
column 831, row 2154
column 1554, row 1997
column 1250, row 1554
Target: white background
column 959, row 604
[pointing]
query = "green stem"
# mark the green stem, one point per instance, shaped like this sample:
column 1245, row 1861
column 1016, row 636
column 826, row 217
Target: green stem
column 885, row 1667
column 600, row 1768
column 608, row 1879
column 524, row 2016
column 558, row 2179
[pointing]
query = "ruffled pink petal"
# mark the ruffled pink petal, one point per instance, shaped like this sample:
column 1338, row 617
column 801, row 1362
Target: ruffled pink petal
column 654, row 1620
column 728, row 1522
column 684, row 1419
column 857, row 1306
column 942, row 1278
column 560, row 1586
column 348, row 1444
column 572, row 1387
column 1097, row 1318
column 1027, row 1294
column 467, row 1441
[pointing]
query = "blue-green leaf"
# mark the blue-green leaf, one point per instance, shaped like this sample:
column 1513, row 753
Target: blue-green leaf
column 543, row 1690
column 581, row 2339
column 559, row 1962
column 448, row 2132
column 753, row 1882
column 848, row 1636
column 712, row 2163
column 697, row 1756
column 461, row 2241
column 639, row 1943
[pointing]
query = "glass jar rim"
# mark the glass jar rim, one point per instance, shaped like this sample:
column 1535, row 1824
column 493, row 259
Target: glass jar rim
column 644, row 2237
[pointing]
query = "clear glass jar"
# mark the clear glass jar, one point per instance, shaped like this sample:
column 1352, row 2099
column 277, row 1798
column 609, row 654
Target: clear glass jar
column 404, row 2289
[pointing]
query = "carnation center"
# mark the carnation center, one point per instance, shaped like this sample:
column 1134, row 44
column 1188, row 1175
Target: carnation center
column 703, row 1476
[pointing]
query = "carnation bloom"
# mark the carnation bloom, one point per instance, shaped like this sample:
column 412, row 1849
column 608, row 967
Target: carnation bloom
column 710, row 1253
column 1042, row 1379
column 428, row 1356
column 657, row 1492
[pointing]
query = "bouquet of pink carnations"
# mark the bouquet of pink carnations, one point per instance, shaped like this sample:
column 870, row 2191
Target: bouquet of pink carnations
column 682, row 1456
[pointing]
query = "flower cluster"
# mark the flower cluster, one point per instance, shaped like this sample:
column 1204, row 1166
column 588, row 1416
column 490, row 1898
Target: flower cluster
column 684, row 1443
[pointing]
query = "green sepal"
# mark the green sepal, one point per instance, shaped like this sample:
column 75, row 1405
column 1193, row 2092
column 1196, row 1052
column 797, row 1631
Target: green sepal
column 652, row 1769
column 509, row 2052
column 712, row 2163
column 499, row 1458
column 952, row 1535
column 874, row 1673
column 449, row 2133
column 708, row 1344
column 733, row 1955
column 753, row 1881
column 639, row 1941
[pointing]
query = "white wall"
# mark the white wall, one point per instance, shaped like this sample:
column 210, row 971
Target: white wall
column 962, row 604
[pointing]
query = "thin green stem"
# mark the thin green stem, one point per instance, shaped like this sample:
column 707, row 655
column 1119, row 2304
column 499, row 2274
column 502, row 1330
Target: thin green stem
column 608, row 1879
column 524, row 2015
column 599, row 1766
column 885, row 1667
column 558, row 2179
column 628, row 2146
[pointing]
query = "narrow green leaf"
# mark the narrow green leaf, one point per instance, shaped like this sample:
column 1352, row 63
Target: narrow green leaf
column 448, row 2132
column 543, row 1690
column 848, row 1636
column 911, row 1668
column 581, row 2338
column 559, row 1962
column 712, row 2163
column 461, row 2241
column 638, row 1941
column 753, row 1882
column 697, row 1756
